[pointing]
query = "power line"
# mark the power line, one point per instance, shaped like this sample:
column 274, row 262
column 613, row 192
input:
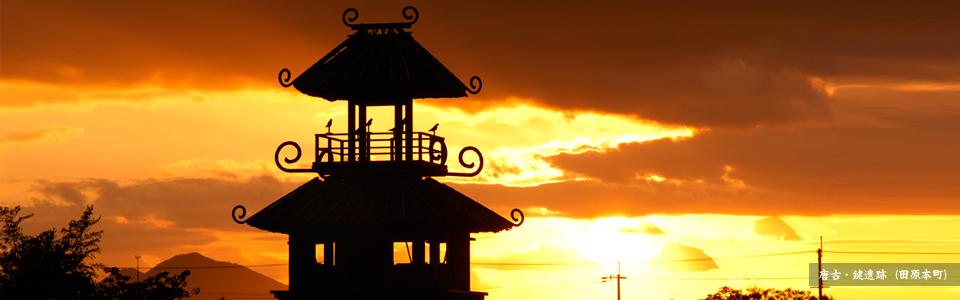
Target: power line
column 209, row 295
column 215, row 267
column 901, row 297
column 695, row 259
column 713, row 258
column 583, row 281
column 819, row 266
column 618, row 277
column 542, row 285
column 915, row 253
column 652, row 261
column 138, row 266
column 537, row 264
column 721, row 278
column 734, row 257
column 600, row 263
column 234, row 293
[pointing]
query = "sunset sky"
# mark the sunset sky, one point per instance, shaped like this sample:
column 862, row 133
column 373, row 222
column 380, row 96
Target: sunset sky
column 628, row 131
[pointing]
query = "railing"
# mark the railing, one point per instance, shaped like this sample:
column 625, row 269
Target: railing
column 380, row 146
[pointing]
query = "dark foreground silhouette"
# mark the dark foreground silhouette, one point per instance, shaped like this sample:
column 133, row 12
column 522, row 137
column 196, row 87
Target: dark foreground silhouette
column 56, row 266
column 754, row 292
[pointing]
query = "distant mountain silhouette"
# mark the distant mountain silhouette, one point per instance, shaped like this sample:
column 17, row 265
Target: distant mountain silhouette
column 234, row 281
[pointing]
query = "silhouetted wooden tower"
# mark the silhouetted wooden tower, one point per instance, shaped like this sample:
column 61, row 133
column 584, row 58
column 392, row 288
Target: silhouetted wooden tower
column 375, row 188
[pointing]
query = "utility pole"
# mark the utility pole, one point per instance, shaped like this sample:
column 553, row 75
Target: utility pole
column 618, row 277
column 138, row 266
column 819, row 269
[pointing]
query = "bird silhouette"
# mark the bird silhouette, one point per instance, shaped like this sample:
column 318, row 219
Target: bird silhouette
column 329, row 123
column 402, row 123
column 434, row 128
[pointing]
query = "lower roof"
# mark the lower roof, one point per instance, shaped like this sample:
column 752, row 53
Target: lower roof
column 395, row 204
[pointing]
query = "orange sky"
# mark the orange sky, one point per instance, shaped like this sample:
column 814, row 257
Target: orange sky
column 725, row 128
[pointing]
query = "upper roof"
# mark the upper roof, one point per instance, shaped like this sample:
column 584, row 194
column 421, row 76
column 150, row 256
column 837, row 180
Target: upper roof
column 380, row 64
column 393, row 204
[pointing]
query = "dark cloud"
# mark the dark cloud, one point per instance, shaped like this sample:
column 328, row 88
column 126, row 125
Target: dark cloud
column 704, row 64
column 181, row 203
column 190, row 202
column 775, row 227
column 892, row 152
column 590, row 199
column 119, row 43
column 717, row 64
column 71, row 192
column 674, row 256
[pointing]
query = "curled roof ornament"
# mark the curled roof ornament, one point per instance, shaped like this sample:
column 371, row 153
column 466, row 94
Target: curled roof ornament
column 351, row 15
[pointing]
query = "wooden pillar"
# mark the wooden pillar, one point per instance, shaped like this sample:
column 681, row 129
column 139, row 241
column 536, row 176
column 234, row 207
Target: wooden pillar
column 458, row 258
column 408, row 129
column 351, row 130
column 418, row 252
column 362, row 133
column 398, row 131
column 303, row 261
column 329, row 258
column 435, row 252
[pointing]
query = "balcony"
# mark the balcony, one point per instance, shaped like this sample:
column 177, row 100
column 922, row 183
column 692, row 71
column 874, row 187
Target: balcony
column 416, row 153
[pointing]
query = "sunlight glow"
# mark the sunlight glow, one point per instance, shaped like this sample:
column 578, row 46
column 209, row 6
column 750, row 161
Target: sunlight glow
column 655, row 177
column 607, row 242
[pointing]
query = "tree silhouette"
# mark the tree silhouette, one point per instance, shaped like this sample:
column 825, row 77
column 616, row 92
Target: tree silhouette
column 754, row 292
column 48, row 266
column 158, row 287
